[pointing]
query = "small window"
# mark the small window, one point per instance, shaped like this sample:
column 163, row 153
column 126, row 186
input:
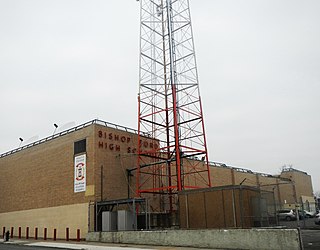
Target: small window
column 80, row 146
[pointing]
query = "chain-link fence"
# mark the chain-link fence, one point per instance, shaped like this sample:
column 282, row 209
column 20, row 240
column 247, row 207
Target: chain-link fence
column 219, row 207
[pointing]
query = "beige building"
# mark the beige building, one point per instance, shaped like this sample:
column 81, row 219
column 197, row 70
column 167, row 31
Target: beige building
column 291, row 187
column 52, row 183
column 38, row 183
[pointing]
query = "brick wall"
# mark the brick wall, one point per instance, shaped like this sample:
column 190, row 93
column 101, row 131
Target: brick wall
column 302, row 186
column 43, row 175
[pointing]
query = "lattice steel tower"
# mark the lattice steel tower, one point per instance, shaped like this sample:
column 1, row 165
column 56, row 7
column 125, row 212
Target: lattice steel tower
column 170, row 108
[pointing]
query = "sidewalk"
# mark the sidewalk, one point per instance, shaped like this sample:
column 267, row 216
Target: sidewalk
column 88, row 245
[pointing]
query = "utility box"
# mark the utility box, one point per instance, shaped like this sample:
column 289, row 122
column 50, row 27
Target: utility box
column 125, row 220
column 109, row 221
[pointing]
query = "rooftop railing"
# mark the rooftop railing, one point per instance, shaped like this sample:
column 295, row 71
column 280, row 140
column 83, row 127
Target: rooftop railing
column 71, row 130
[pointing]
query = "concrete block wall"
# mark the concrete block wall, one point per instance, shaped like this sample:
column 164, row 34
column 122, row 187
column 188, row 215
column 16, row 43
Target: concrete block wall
column 262, row 239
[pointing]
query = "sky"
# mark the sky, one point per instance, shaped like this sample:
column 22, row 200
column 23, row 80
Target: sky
column 72, row 61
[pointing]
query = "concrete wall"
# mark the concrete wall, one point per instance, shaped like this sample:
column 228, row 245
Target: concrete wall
column 72, row 216
column 271, row 239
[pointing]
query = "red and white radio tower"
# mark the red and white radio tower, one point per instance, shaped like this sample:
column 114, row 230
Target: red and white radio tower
column 170, row 108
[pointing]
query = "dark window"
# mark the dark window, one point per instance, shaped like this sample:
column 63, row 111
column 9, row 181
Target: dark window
column 80, row 146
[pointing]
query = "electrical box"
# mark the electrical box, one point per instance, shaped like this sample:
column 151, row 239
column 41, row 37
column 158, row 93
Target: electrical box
column 125, row 220
column 109, row 221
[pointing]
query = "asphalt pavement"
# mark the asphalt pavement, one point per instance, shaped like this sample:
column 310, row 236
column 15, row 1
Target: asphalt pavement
column 310, row 232
column 311, row 239
column 15, row 244
column 21, row 247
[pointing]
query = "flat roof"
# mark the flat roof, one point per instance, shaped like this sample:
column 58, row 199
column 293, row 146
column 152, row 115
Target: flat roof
column 247, row 171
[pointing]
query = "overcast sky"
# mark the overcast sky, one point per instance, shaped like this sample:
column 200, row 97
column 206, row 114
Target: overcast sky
column 64, row 61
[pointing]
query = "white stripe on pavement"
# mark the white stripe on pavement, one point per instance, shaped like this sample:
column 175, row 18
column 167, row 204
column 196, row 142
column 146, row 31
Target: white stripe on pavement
column 81, row 246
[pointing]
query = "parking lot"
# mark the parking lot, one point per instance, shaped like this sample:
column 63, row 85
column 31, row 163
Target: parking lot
column 310, row 232
column 311, row 239
column 307, row 223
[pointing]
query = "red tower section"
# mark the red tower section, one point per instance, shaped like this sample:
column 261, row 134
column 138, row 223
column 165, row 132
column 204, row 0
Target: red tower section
column 170, row 110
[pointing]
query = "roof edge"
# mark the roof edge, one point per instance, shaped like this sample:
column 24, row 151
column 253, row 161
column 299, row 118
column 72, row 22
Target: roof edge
column 68, row 131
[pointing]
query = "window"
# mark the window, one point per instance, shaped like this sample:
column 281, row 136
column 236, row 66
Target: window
column 80, row 146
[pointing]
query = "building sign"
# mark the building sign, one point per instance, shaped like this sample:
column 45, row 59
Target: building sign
column 120, row 142
column 80, row 173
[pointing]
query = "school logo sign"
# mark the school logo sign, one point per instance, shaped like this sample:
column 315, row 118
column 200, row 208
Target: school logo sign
column 80, row 173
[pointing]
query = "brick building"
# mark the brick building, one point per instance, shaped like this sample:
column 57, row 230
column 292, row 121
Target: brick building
column 38, row 183
column 52, row 183
column 291, row 187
